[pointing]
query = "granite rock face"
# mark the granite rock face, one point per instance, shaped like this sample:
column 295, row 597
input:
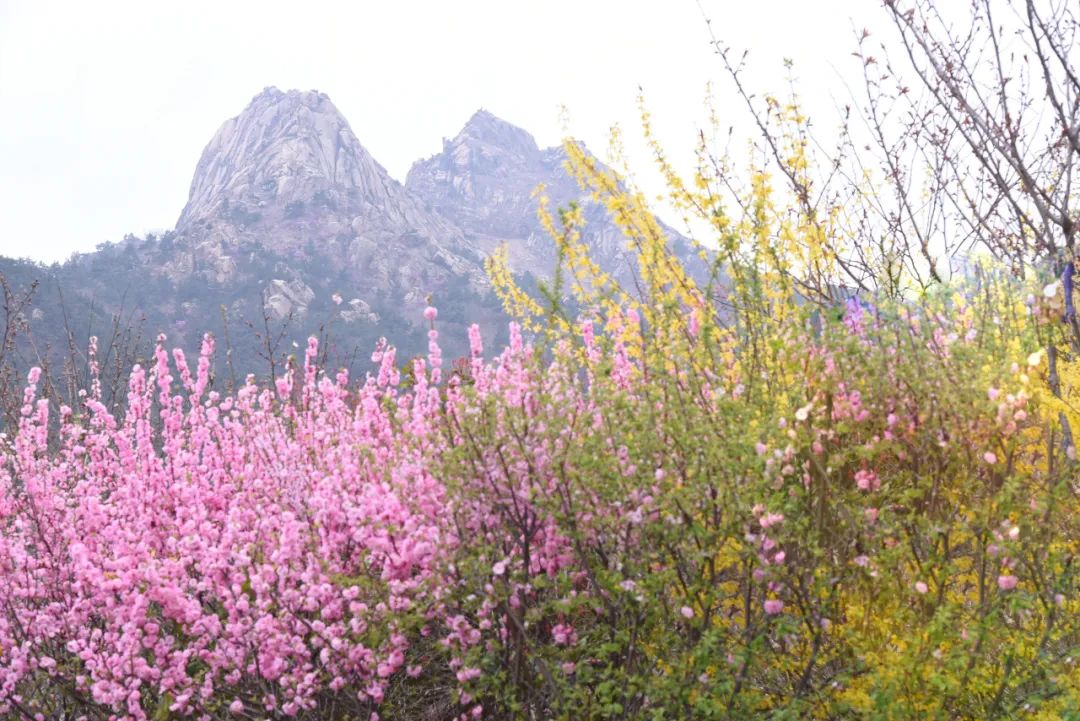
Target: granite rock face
column 283, row 299
column 285, row 147
column 287, row 210
column 291, row 152
column 289, row 176
column 358, row 311
column 484, row 181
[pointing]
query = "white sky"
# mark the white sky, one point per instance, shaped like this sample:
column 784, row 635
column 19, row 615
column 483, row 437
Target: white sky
column 105, row 106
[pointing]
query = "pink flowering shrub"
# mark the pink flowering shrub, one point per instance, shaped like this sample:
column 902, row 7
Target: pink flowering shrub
column 271, row 552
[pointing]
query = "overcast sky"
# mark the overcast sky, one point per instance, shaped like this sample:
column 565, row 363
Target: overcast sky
column 105, row 106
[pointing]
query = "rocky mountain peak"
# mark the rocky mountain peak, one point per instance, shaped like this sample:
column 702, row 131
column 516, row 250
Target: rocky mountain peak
column 484, row 178
column 485, row 131
column 286, row 198
column 285, row 147
column 484, row 181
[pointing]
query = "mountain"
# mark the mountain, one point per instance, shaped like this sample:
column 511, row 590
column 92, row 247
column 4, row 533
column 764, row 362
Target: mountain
column 484, row 181
column 287, row 211
column 288, row 178
column 289, row 174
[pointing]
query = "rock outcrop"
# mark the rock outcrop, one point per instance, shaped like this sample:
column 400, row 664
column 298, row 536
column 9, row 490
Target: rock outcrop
column 359, row 311
column 288, row 176
column 284, row 299
column 484, row 181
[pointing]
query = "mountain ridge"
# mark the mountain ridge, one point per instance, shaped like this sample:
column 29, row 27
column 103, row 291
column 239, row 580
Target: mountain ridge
column 287, row 210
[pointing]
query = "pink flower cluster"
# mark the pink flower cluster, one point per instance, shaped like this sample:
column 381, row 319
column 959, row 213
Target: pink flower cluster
column 262, row 548
column 278, row 545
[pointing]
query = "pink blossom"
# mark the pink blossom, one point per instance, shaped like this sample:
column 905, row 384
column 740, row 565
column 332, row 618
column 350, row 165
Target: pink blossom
column 687, row 612
column 563, row 634
column 1007, row 582
column 867, row 480
column 771, row 519
column 774, row 606
column 468, row 674
column 921, row 587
